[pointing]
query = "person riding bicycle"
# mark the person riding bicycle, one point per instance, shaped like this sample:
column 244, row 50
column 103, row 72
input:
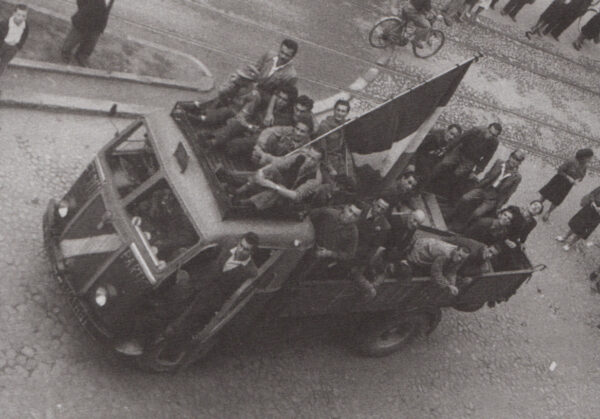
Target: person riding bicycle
column 420, row 13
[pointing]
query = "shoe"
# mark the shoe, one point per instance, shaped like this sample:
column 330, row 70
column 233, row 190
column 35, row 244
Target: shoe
column 528, row 35
column 514, row 19
column 576, row 45
column 566, row 247
column 594, row 276
column 560, row 239
column 82, row 61
column 555, row 38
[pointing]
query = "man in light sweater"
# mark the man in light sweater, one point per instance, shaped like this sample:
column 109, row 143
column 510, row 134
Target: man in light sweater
column 13, row 33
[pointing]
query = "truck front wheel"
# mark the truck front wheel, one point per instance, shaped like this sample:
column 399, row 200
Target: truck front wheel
column 393, row 333
column 171, row 354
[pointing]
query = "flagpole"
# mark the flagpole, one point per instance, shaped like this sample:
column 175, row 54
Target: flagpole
column 339, row 127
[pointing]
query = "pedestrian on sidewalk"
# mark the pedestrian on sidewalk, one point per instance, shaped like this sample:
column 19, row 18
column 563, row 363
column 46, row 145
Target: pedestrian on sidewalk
column 591, row 30
column 572, row 12
column 513, row 7
column 13, row 32
column 548, row 18
column 582, row 224
column 88, row 23
column 567, row 175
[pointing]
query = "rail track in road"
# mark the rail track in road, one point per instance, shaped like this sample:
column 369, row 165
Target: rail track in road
column 196, row 42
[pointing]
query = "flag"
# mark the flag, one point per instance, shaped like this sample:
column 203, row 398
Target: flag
column 384, row 139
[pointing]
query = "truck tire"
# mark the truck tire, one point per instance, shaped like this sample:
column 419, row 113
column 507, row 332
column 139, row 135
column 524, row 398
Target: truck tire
column 394, row 333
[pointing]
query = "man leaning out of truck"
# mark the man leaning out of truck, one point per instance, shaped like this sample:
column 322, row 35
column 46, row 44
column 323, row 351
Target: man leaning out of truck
column 435, row 257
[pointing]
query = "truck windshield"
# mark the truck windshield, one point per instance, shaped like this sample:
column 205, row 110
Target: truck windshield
column 161, row 222
column 132, row 160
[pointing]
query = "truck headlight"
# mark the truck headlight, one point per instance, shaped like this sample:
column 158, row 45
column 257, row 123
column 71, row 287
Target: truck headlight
column 101, row 296
column 63, row 208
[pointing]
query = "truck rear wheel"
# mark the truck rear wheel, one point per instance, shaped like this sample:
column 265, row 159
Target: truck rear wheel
column 394, row 333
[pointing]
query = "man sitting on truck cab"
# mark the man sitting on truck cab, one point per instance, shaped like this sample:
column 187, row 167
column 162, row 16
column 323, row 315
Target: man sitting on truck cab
column 404, row 225
column 283, row 115
column 296, row 178
column 276, row 142
column 333, row 146
column 442, row 260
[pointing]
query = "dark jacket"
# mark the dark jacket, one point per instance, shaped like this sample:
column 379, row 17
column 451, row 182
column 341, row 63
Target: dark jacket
column 476, row 148
column 507, row 186
column 4, row 32
column 91, row 15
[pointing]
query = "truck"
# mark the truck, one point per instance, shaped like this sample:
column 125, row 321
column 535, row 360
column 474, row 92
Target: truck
column 110, row 259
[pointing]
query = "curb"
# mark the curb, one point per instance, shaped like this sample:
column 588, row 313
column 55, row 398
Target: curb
column 71, row 104
column 205, row 83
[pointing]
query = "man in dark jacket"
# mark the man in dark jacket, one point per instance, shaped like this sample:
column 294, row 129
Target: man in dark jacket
column 13, row 32
column 88, row 23
column 493, row 191
column 470, row 153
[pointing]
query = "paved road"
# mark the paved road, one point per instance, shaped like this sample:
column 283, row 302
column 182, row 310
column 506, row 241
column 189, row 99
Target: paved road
column 494, row 363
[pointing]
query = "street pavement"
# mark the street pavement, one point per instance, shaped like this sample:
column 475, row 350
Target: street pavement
column 494, row 363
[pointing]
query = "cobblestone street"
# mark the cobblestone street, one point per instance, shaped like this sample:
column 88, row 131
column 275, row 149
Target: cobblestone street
column 533, row 357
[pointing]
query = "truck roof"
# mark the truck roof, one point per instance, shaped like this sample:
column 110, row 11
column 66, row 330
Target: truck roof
column 196, row 190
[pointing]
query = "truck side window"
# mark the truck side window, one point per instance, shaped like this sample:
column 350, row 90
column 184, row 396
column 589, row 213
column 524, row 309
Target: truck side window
column 132, row 160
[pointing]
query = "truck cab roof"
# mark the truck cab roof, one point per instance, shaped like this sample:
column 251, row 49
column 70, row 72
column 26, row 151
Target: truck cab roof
column 191, row 174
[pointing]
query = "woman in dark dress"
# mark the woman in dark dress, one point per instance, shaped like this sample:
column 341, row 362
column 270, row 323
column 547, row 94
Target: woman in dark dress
column 591, row 30
column 567, row 174
column 574, row 10
column 548, row 17
column 582, row 224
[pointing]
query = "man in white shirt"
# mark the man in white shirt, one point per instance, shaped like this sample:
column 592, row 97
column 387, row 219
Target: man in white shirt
column 13, row 33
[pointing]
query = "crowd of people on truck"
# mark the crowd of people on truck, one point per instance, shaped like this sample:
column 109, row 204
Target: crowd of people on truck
column 260, row 111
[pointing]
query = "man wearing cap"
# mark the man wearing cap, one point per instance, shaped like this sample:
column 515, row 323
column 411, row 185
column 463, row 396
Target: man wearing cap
column 493, row 191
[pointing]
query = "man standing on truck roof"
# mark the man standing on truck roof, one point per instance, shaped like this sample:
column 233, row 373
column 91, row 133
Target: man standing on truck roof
column 441, row 259
column 88, row 23
column 13, row 33
column 470, row 153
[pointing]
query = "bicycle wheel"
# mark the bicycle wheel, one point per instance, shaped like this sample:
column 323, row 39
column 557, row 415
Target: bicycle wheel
column 436, row 41
column 386, row 32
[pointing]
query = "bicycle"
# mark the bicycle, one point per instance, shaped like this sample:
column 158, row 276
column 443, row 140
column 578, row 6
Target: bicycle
column 394, row 30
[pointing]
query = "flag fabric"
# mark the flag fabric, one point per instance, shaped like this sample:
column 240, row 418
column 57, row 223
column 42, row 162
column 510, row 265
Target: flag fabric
column 386, row 137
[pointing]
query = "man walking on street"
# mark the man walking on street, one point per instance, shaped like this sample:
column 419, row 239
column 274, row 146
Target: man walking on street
column 88, row 23
column 13, row 33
